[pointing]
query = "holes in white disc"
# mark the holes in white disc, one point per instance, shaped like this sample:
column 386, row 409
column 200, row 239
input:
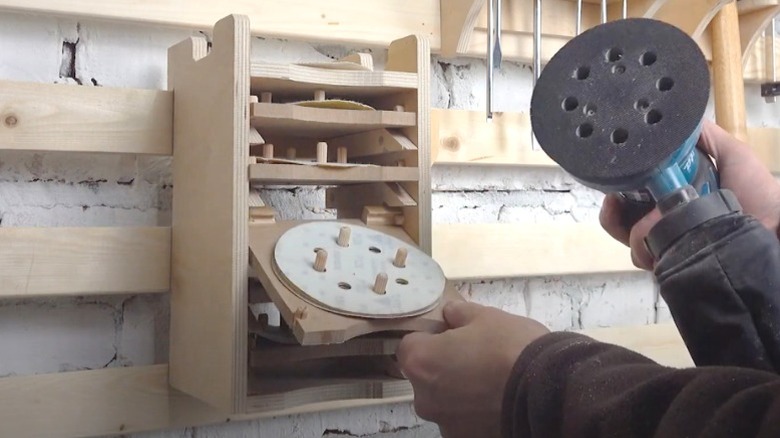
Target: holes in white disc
column 402, row 281
column 665, row 84
column 375, row 250
column 345, row 286
column 653, row 117
column 648, row 58
column 581, row 73
column 619, row 136
column 585, row 130
column 570, row 104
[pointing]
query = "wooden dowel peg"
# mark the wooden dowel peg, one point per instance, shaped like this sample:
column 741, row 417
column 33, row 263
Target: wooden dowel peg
column 380, row 285
column 344, row 235
column 341, row 155
column 400, row 258
column 268, row 151
column 321, row 260
column 291, row 153
column 266, row 97
column 322, row 152
column 319, row 95
column 400, row 108
column 253, row 99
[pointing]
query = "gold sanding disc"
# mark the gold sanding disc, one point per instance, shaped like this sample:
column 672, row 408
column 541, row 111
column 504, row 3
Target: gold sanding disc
column 346, row 286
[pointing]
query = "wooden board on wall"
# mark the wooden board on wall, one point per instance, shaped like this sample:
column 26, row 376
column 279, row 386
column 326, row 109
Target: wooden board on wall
column 49, row 117
column 210, row 252
column 93, row 403
column 83, row 261
column 473, row 252
column 374, row 23
column 463, row 137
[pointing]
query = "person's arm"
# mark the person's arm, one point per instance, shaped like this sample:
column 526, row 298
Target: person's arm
column 722, row 285
column 569, row 385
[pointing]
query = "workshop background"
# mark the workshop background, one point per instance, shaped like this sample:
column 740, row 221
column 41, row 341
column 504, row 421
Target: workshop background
column 49, row 189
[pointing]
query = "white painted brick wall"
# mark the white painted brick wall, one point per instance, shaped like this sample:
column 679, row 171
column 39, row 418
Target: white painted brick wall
column 50, row 335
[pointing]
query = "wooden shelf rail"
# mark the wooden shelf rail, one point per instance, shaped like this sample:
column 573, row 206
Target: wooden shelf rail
column 306, row 122
column 285, row 174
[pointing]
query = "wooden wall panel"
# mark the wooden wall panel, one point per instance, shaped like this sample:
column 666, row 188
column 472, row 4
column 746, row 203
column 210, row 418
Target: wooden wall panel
column 83, row 261
column 49, row 117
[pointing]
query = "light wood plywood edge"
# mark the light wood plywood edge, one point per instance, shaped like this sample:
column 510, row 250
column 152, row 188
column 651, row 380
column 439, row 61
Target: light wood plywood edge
column 660, row 342
column 49, row 117
column 285, row 174
column 496, row 251
column 287, row 78
column 83, row 261
column 210, row 215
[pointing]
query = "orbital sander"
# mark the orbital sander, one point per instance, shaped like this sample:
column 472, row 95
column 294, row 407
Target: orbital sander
column 620, row 108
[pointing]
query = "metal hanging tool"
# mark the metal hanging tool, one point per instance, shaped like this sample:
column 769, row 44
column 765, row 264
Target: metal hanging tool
column 625, row 9
column 771, row 89
column 578, row 28
column 494, row 55
column 603, row 11
column 537, row 39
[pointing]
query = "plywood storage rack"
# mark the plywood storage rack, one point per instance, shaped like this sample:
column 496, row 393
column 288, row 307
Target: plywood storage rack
column 218, row 118
column 216, row 121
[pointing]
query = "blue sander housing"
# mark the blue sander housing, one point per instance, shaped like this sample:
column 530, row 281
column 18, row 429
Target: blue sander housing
column 620, row 107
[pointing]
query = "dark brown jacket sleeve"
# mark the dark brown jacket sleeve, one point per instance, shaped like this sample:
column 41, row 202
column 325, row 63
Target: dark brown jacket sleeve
column 722, row 284
column 569, row 385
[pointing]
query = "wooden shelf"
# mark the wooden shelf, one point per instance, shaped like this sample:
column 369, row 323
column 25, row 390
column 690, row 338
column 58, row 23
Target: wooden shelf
column 83, row 261
column 285, row 174
column 300, row 82
column 307, row 122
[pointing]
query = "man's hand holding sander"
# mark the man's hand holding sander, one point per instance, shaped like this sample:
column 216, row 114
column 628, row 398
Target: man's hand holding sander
column 495, row 374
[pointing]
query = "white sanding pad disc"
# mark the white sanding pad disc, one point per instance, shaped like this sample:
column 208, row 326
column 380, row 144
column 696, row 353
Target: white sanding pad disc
column 346, row 285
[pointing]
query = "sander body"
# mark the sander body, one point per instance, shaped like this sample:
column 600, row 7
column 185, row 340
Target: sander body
column 620, row 108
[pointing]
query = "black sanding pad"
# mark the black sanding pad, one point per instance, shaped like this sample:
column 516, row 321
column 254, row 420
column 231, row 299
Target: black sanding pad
column 619, row 99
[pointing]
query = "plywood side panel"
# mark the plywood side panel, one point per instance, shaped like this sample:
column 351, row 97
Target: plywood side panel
column 412, row 55
column 374, row 23
column 210, row 215
column 495, row 251
column 83, row 261
column 49, row 117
